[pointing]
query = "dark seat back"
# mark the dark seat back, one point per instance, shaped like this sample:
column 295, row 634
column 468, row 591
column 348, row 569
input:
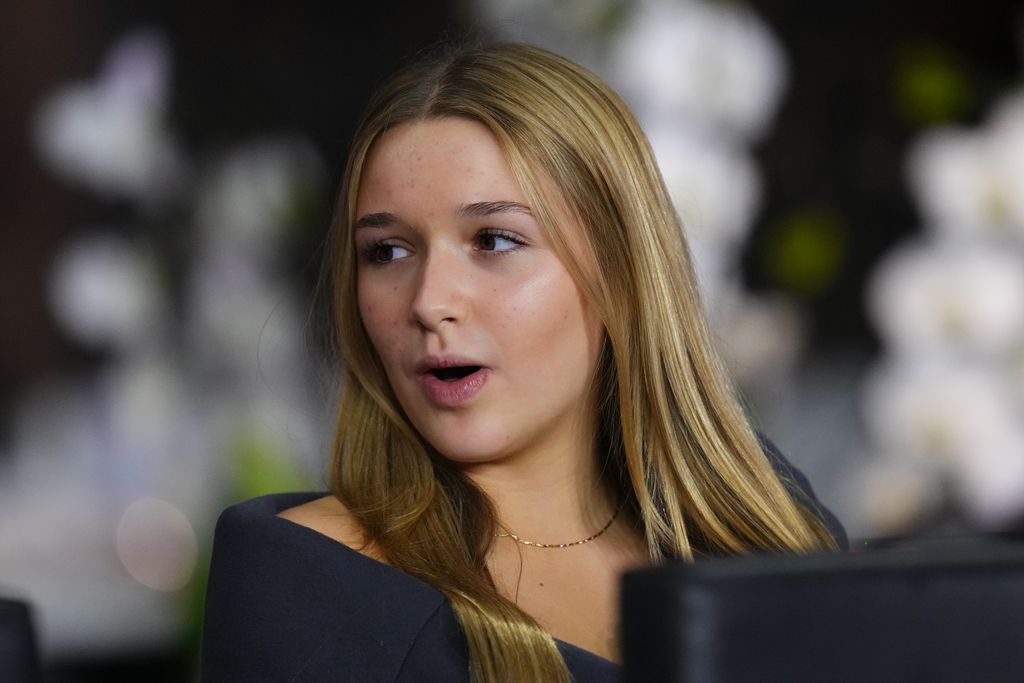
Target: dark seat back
column 944, row 614
column 19, row 662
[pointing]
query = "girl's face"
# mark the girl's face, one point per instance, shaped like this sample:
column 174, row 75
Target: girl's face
column 486, row 340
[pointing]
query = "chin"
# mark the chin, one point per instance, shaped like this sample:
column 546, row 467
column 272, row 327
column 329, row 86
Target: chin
column 474, row 447
column 463, row 437
column 467, row 453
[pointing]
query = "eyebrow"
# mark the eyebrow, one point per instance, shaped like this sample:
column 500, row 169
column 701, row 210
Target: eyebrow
column 383, row 219
column 480, row 209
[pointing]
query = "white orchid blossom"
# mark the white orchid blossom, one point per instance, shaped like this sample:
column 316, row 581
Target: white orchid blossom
column 970, row 181
column 1006, row 128
column 947, row 295
column 714, row 183
column 106, row 292
column 951, row 309
column 932, row 409
column 110, row 134
column 990, row 481
column 717, row 64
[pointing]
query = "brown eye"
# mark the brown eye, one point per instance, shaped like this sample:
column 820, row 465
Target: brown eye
column 497, row 241
column 381, row 253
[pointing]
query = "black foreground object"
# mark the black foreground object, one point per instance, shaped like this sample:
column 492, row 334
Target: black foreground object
column 19, row 662
column 934, row 615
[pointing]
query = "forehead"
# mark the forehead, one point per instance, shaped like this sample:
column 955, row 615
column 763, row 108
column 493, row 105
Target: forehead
column 447, row 158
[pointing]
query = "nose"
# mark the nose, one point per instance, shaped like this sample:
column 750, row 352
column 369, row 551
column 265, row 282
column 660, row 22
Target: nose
column 442, row 295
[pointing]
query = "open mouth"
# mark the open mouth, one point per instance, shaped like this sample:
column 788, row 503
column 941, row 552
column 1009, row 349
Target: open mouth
column 454, row 373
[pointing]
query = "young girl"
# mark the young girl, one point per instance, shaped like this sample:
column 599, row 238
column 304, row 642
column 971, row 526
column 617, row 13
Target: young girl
column 531, row 404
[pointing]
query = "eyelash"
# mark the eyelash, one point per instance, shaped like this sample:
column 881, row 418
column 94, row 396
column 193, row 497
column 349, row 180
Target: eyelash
column 502, row 234
column 370, row 252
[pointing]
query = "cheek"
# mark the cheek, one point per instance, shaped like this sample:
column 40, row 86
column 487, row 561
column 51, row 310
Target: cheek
column 537, row 299
column 378, row 318
column 552, row 315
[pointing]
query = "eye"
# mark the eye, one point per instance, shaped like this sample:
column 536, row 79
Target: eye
column 498, row 241
column 380, row 253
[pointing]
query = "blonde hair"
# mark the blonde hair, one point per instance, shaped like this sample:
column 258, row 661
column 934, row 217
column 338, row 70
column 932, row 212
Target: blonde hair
column 674, row 437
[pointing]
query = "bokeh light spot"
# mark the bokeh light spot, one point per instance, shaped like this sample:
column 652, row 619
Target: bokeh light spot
column 805, row 251
column 157, row 544
column 930, row 86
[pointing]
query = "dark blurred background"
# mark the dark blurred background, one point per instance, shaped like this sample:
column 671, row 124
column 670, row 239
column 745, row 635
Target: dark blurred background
column 238, row 71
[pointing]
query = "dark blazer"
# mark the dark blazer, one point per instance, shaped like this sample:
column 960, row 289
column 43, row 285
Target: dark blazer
column 285, row 603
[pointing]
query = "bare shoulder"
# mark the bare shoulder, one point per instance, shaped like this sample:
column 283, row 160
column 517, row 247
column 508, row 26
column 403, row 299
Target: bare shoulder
column 330, row 517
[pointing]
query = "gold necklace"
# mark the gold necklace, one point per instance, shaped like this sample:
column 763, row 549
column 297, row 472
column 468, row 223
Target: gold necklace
column 508, row 534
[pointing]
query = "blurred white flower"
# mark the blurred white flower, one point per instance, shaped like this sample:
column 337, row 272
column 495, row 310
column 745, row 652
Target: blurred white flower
column 254, row 193
column 105, row 292
column 110, row 134
column 968, row 181
column 934, row 409
column 714, row 185
column 955, row 186
column 716, row 63
column 1015, row 368
column 1006, row 129
column 952, row 310
column 949, row 295
column 963, row 420
column 990, row 481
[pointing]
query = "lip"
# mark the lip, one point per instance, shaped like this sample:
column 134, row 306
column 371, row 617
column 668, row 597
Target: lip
column 449, row 394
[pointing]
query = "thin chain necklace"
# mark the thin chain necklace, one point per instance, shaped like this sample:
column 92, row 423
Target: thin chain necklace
column 508, row 534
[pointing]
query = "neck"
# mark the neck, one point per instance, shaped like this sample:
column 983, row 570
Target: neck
column 552, row 495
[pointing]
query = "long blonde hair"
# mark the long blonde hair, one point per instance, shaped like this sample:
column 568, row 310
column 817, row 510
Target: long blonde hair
column 675, row 441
